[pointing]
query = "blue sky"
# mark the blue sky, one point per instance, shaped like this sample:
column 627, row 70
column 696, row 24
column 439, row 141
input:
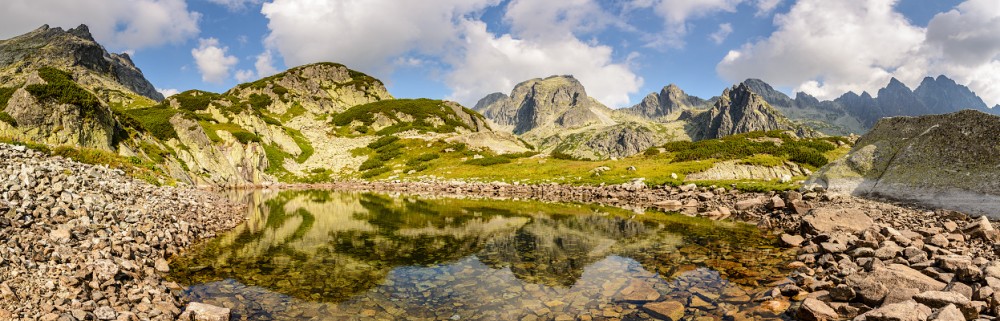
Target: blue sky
column 620, row 49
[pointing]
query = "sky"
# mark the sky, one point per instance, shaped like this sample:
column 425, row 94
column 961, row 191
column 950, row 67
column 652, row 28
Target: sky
column 621, row 50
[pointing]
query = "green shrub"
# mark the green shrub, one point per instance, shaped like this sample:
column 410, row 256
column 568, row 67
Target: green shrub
column 375, row 172
column 275, row 159
column 420, row 110
column 652, row 151
column 383, row 141
column 763, row 160
column 5, row 117
column 422, row 159
column 61, row 89
column 270, row 120
column 487, row 161
column 246, row 137
column 155, row 153
column 519, row 155
column 195, row 100
column 155, row 120
column 5, row 94
column 259, row 102
column 562, row 155
column 371, row 163
column 417, row 168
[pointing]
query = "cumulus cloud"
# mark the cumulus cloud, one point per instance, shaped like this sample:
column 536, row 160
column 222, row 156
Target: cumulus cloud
column 264, row 66
column 167, row 92
column 118, row 24
column 379, row 35
column 765, row 7
column 720, row 35
column 496, row 63
column 365, row 35
column 236, row 5
column 212, row 61
column 677, row 13
column 826, row 48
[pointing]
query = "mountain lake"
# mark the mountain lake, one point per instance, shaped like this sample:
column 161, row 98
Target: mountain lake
column 330, row 255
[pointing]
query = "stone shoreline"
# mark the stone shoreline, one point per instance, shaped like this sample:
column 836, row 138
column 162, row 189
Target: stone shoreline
column 84, row 242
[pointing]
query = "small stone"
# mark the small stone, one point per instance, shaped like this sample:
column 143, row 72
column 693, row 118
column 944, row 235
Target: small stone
column 105, row 313
column 842, row 292
column 903, row 311
column 205, row 312
column 948, row 313
column 816, row 310
column 792, row 240
column 161, row 265
column 667, row 310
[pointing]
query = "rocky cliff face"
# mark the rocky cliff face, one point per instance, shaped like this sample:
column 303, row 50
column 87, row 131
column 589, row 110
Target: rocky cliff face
column 947, row 161
column 740, row 110
column 556, row 114
column 670, row 100
column 73, row 49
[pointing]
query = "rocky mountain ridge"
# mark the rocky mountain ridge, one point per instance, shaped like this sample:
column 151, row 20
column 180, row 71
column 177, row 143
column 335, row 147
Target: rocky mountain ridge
column 741, row 110
column 857, row 113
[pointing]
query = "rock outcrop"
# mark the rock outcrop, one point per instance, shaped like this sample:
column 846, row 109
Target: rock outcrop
column 71, row 49
column 670, row 100
column 946, row 161
column 740, row 110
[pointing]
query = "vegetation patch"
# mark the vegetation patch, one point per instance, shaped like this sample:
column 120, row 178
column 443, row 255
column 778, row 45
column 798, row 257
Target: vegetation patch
column 195, row 100
column 242, row 135
column 5, row 94
column 5, row 117
column 155, row 153
column 420, row 110
column 61, row 89
column 487, row 161
column 775, row 143
column 155, row 120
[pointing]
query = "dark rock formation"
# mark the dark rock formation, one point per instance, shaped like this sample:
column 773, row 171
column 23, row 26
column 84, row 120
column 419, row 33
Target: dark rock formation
column 740, row 110
column 671, row 99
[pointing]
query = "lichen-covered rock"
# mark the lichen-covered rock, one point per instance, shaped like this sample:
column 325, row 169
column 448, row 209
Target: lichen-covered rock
column 944, row 161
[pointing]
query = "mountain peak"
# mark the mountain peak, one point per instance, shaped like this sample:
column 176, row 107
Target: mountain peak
column 81, row 31
column 896, row 84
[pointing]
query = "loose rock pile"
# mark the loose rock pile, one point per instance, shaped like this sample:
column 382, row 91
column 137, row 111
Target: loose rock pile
column 865, row 260
column 82, row 242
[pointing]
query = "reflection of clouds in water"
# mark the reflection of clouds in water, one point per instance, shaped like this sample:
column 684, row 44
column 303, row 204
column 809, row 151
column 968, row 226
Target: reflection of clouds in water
column 473, row 228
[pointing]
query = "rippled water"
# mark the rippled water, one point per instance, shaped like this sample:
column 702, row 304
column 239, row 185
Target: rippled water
column 325, row 255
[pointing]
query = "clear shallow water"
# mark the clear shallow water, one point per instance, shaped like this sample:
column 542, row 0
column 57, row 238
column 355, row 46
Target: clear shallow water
column 323, row 255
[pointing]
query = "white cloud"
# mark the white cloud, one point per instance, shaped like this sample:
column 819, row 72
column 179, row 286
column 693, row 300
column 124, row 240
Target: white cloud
column 236, row 5
column 677, row 13
column 545, row 20
column 720, row 35
column 365, row 35
column 379, row 35
column 265, row 64
column 765, row 7
column 212, row 61
column 118, row 24
column 167, row 92
column 826, row 48
column 496, row 63
column 244, row 75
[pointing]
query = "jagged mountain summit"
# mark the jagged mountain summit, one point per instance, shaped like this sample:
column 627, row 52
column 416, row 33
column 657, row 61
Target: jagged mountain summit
column 555, row 114
column 670, row 100
column 72, row 50
column 741, row 110
column 856, row 113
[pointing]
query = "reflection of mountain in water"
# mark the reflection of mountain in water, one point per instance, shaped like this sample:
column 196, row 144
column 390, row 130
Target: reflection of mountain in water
column 330, row 246
column 554, row 250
